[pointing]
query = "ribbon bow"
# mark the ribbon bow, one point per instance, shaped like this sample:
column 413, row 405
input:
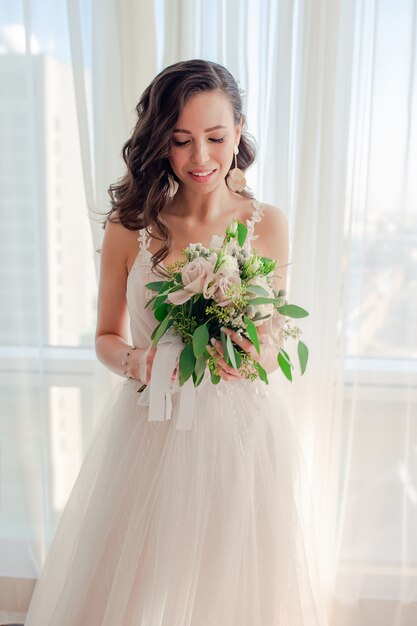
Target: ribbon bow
column 157, row 395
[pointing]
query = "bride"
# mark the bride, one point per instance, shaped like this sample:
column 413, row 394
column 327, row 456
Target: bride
column 172, row 527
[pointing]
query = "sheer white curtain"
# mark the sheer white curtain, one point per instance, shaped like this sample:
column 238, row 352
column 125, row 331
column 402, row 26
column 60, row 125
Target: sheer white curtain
column 71, row 73
column 331, row 99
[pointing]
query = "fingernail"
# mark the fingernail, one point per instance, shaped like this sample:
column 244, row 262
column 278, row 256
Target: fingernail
column 212, row 341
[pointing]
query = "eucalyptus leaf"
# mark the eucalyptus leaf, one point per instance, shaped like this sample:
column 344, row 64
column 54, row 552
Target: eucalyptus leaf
column 292, row 310
column 224, row 346
column 238, row 358
column 200, row 339
column 161, row 329
column 253, row 333
column 257, row 290
column 285, row 365
column 286, row 357
column 302, row 356
column 230, row 351
column 242, row 232
column 161, row 311
column 262, row 300
column 186, row 363
column 199, row 369
column 215, row 378
column 156, row 286
column 262, row 373
column 159, row 300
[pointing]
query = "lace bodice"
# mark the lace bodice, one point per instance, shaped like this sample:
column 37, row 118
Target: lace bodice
column 142, row 321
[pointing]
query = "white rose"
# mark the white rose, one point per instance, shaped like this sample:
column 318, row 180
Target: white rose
column 261, row 281
column 229, row 265
column 216, row 242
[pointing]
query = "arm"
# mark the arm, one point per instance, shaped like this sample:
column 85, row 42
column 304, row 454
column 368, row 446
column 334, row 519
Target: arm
column 112, row 314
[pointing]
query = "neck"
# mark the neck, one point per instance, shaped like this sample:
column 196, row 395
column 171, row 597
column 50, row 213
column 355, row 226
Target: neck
column 203, row 207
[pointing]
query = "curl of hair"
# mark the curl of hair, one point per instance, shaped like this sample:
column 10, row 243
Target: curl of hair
column 140, row 196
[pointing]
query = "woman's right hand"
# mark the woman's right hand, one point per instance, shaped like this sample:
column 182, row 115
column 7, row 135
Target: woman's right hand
column 138, row 365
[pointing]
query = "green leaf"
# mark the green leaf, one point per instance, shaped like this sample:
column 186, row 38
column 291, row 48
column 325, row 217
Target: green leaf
column 215, row 378
column 285, row 364
column 230, row 351
column 186, row 363
column 200, row 368
column 292, row 310
column 238, row 358
column 161, row 329
column 262, row 373
column 161, row 311
column 302, row 356
column 242, row 232
column 156, row 286
column 224, row 346
column 262, row 300
column 158, row 301
column 253, row 333
column 200, row 340
column 257, row 290
column 258, row 317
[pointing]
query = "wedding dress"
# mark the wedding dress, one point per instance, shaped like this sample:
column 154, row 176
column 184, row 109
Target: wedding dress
column 193, row 526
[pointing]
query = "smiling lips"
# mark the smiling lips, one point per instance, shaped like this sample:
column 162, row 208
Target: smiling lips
column 201, row 175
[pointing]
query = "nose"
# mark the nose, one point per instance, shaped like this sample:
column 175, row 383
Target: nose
column 200, row 153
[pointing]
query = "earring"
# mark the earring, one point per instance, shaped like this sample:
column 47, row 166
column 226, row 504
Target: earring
column 236, row 180
column 172, row 186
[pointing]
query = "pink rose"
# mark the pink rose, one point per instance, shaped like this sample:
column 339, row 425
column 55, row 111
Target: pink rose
column 195, row 276
column 222, row 287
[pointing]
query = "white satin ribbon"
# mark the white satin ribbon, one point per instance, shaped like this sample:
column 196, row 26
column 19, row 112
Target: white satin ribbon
column 157, row 394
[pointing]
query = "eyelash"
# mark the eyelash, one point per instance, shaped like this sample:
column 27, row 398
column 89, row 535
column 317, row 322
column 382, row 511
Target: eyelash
column 183, row 143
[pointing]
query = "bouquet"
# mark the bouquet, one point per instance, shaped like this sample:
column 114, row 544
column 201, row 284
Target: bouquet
column 227, row 286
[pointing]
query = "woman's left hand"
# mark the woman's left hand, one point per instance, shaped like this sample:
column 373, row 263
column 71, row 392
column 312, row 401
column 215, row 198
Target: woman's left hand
column 267, row 356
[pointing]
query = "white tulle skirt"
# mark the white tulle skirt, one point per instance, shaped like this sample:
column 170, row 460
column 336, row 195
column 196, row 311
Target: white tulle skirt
column 200, row 527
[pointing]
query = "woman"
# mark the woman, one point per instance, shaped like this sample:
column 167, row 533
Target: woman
column 171, row 527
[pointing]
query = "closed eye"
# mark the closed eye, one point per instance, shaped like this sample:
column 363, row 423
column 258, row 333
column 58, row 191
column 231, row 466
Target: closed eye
column 183, row 143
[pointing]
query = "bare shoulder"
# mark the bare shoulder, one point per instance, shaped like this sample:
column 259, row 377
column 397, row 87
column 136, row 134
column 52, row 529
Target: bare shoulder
column 273, row 216
column 120, row 243
column 273, row 231
column 273, row 240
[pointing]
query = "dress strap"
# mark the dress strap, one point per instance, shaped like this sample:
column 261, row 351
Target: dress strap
column 256, row 217
column 144, row 239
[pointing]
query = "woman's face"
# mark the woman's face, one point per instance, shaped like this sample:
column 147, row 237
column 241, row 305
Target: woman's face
column 203, row 141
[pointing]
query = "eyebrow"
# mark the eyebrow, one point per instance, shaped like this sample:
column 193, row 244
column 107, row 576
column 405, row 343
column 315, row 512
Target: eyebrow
column 208, row 130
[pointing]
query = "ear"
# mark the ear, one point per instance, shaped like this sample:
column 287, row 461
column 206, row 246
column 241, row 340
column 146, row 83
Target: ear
column 238, row 132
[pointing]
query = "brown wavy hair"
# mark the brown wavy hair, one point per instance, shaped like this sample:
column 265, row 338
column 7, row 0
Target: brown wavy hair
column 140, row 195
